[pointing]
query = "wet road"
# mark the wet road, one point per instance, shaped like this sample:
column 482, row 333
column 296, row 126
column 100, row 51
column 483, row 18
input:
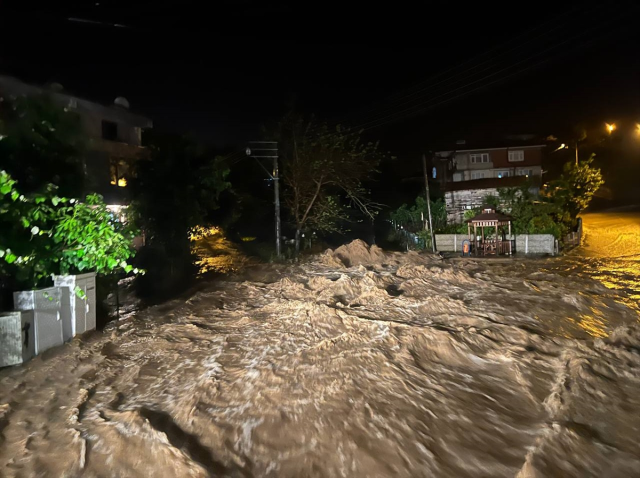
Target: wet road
column 357, row 364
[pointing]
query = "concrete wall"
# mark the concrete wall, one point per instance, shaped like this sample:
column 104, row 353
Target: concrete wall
column 525, row 243
column 536, row 243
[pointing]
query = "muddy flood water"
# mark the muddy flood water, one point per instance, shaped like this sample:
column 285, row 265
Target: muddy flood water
column 356, row 364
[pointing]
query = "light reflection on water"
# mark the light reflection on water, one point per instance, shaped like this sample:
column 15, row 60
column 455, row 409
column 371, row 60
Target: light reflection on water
column 610, row 254
column 216, row 254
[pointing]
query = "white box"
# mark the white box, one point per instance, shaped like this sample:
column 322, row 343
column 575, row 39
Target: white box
column 17, row 337
column 83, row 310
column 51, row 315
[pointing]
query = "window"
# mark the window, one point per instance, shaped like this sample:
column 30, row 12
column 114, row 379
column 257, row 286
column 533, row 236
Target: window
column 525, row 172
column 109, row 130
column 479, row 157
column 477, row 175
column 503, row 174
column 457, row 177
column 119, row 172
column 515, row 156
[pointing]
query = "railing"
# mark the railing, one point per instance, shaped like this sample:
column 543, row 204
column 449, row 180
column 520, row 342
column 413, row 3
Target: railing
column 493, row 247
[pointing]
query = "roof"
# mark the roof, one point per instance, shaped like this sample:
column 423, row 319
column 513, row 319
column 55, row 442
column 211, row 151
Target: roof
column 492, row 145
column 490, row 217
column 13, row 86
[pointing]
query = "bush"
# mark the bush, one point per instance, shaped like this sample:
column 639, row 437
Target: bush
column 43, row 235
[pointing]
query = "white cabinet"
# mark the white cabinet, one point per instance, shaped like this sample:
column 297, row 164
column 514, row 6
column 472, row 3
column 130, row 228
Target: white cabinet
column 17, row 337
column 83, row 309
column 51, row 315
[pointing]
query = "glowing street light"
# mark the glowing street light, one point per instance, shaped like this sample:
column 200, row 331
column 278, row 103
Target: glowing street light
column 610, row 127
column 638, row 129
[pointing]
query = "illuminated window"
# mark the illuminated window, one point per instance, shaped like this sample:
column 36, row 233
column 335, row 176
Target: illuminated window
column 525, row 172
column 503, row 174
column 119, row 171
column 515, row 156
column 479, row 158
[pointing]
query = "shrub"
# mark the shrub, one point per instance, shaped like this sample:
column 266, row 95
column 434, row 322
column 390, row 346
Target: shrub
column 43, row 235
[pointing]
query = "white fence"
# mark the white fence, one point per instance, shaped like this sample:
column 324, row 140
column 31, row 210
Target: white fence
column 525, row 243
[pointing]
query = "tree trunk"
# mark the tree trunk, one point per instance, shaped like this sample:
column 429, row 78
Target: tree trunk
column 298, row 234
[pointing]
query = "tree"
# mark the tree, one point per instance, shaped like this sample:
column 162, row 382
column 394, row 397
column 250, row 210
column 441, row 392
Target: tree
column 324, row 171
column 531, row 214
column 576, row 187
column 41, row 143
column 43, row 234
column 174, row 190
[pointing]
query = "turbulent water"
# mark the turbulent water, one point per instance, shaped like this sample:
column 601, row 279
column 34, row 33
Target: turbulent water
column 356, row 364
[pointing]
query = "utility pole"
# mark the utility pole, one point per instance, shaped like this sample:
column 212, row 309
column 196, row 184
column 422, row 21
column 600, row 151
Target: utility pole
column 276, row 194
column 269, row 150
column 426, row 185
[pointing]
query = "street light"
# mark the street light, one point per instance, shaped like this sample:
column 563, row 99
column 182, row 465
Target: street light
column 610, row 127
column 638, row 129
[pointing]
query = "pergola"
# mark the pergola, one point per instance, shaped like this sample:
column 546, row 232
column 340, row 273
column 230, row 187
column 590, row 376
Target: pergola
column 491, row 219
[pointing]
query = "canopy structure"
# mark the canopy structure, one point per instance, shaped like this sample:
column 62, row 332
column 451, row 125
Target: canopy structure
column 485, row 243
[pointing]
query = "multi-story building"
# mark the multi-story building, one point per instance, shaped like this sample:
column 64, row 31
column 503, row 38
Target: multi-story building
column 468, row 174
column 114, row 135
column 468, row 164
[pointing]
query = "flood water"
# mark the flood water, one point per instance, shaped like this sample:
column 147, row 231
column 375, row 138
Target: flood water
column 357, row 364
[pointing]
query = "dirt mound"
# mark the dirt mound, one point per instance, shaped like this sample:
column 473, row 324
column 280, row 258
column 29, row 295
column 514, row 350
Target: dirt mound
column 355, row 253
column 359, row 253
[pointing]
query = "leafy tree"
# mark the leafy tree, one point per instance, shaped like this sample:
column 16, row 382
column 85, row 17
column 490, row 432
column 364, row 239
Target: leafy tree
column 531, row 214
column 412, row 219
column 41, row 143
column 43, row 234
column 175, row 191
column 576, row 187
column 324, row 171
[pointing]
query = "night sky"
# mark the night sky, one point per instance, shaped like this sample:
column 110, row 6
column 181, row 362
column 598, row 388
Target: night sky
column 414, row 76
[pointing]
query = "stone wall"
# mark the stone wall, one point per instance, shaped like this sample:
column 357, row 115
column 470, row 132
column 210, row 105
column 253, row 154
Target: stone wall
column 457, row 202
column 525, row 243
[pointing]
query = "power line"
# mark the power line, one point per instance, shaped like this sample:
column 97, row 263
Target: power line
column 404, row 97
column 380, row 122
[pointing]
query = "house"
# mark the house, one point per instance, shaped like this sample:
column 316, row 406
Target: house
column 113, row 132
column 468, row 174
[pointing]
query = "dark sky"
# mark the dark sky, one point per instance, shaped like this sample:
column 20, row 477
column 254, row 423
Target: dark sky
column 414, row 74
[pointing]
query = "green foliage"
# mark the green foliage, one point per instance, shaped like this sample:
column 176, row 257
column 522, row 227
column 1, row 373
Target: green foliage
column 532, row 215
column 324, row 171
column 41, row 143
column 412, row 218
column 94, row 239
column 176, row 188
column 576, row 187
column 555, row 211
column 44, row 234
column 175, row 191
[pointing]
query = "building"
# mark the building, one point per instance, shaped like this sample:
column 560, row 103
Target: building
column 467, row 174
column 113, row 132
